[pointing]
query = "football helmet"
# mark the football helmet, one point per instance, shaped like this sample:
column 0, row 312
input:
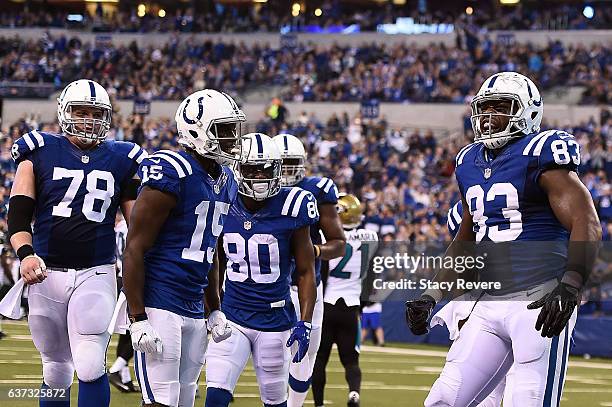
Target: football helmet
column 208, row 122
column 294, row 158
column 524, row 115
column 349, row 211
column 90, row 94
column 259, row 170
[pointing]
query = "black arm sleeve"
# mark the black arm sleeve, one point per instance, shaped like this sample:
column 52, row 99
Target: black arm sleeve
column 21, row 210
column 130, row 189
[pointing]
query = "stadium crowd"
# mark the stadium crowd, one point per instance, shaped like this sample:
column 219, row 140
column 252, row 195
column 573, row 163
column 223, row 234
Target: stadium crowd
column 404, row 176
column 398, row 73
column 334, row 16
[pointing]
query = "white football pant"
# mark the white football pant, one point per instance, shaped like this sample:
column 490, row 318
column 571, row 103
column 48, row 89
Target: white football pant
column 172, row 377
column 69, row 316
column 501, row 332
column 226, row 360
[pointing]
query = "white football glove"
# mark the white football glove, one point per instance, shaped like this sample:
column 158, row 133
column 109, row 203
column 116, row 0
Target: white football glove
column 145, row 338
column 219, row 328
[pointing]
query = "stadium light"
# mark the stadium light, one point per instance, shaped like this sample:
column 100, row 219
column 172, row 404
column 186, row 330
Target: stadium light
column 295, row 9
column 142, row 10
column 509, row 2
column 469, row 10
column 161, row 13
column 260, row 1
column 318, row 12
column 588, row 12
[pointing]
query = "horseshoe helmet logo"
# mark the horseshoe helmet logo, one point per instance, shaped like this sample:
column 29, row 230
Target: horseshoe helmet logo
column 200, row 111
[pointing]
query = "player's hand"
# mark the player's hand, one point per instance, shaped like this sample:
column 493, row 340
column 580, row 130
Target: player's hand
column 33, row 269
column 557, row 309
column 145, row 338
column 300, row 334
column 418, row 313
column 219, row 327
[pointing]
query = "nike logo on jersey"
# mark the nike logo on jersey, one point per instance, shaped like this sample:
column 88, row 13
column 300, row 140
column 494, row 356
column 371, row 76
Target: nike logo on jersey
column 99, row 273
column 155, row 160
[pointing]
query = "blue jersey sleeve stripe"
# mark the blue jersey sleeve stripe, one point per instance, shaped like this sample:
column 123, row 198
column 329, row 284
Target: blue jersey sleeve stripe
column 449, row 220
column 321, row 182
column 538, row 148
column 39, row 139
column 288, row 201
column 298, row 204
column 142, row 156
column 29, row 142
column 172, row 162
column 463, row 153
column 534, row 140
column 134, row 151
column 180, row 158
column 328, row 186
column 455, row 213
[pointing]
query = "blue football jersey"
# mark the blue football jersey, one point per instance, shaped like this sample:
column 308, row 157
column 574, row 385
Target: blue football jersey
column 508, row 205
column 325, row 191
column 259, row 260
column 77, row 196
column 177, row 265
column 453, row 219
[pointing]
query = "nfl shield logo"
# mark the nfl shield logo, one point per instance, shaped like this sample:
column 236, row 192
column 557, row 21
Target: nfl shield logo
column 247, row 225
column 487, row 173
column 217, row 188
column 85, row 159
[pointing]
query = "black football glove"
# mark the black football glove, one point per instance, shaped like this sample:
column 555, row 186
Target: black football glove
column 557, row 308
column 418, row 313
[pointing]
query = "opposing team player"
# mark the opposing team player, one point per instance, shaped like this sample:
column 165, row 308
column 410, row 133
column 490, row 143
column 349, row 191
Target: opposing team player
column 71, row 185
column 342, row 299
column 265, row 237
column 170, row 263
column 519, row 185
column 325, row 192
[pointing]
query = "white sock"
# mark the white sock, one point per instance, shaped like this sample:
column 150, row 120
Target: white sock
column 125, row 375
column 119, row 364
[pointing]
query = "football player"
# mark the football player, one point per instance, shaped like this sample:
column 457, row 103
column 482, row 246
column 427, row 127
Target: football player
column 342, row 300
column 170, row 263
column 518, row 185
column 325, row 192
column 119, row 373
column 70, row 185
column 265, row 237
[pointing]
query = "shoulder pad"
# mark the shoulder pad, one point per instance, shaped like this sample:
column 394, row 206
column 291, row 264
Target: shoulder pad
column 554, row 148
column 135, row 152
column 462, row 153
column 171, row 159
column 28, row 143
column 293, row 201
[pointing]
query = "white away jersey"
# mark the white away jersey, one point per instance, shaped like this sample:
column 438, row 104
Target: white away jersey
column 347, row 273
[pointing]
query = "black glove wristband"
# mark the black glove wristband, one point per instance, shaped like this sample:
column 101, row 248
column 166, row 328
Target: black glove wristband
column 25, row 251
column 138, row 317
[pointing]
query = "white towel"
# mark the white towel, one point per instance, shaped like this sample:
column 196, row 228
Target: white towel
column 453, row 312
column 10, row 306
column 119, row 322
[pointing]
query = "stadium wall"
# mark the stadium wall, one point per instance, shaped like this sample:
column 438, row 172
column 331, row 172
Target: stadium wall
column 584, row 37
column 421, row 115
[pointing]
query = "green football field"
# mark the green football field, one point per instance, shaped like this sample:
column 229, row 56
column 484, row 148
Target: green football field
column 397, row 375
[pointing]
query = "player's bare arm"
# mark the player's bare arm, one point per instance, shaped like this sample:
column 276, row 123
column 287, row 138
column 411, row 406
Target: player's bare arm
column 572, row 205
column 21, row 211
column 211, row 293
column 128, row 197
column 303, row 251
column 335, row 242
column 147, row 217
